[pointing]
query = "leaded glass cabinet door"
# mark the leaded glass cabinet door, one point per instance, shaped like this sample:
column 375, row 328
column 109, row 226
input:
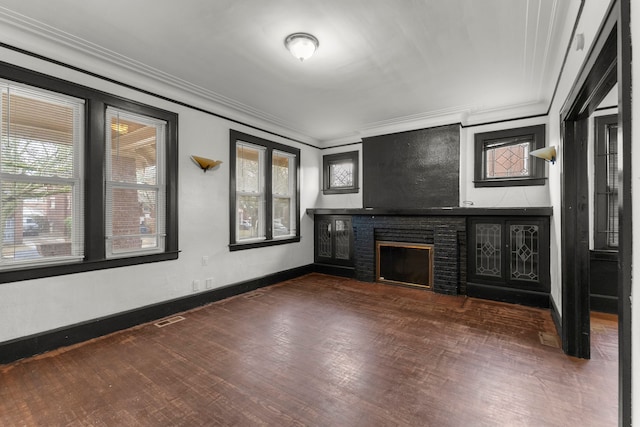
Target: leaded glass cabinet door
column 509, row 252
column 334, row 240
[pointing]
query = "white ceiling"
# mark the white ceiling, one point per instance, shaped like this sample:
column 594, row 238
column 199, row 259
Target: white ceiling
column 382, row 65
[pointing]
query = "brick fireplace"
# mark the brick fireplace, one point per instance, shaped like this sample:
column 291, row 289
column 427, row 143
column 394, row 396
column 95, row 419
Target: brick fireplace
column 447, row 234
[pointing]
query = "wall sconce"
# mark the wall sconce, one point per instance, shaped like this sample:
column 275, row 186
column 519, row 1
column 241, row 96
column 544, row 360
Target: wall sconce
column 205, row 163
column 547, row 153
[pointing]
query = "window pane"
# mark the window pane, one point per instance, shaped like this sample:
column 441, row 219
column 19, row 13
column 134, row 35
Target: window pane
column 283, row 189
column 37, row 222
column 281, row 216
column 38, row 134
column 506, row 161
column 612, row 185
column 133, row 150
column 340, row 175
column 134, row 219
column 249, row 221
column 282, row 173
column 249, row 169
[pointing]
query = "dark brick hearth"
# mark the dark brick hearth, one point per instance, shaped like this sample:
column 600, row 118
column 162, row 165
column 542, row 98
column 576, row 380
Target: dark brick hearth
column 447, row 234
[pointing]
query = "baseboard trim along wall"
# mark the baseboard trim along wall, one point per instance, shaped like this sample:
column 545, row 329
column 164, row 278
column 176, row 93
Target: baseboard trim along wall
column 20, row 348
column 514, row 296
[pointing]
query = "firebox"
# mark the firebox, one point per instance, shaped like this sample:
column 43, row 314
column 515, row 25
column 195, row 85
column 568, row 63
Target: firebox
column 404, row 263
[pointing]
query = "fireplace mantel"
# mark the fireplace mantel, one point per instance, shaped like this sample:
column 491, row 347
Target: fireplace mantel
column 444, row 211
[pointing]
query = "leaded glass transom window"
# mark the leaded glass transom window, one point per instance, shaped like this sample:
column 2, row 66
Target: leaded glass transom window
column 502, row 158
column 340, row 173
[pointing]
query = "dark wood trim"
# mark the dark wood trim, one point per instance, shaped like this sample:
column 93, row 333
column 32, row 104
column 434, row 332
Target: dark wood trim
column 352, row 157
column 537, row 135
column 575, row 241
column 604, row 303
column 39, row 343
column 536, row 211
column 335, row 270
column 625, row 247
column 555, row 315
column 595, row 79
column 514, row 296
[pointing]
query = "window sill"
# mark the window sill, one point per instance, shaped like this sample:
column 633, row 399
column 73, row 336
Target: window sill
column 263, row 243
column 517, row 182
column 340, row 190
column 16, row 275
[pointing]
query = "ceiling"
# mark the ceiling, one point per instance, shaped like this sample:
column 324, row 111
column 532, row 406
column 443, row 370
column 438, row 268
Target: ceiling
column 382, row 66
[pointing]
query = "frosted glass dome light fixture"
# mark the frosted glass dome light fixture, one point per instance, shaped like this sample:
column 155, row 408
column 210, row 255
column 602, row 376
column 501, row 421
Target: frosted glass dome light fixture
column 301, row 45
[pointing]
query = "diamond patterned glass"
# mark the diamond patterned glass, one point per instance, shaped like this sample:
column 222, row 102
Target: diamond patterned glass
column 341, row 175
column 488, row 249
column 342, row 240
column 506, row 161
column 525, row 255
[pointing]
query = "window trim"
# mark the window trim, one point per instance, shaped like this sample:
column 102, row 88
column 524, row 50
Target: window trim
column 328, row 160
column 537, row 173
column 269, row 240
column 96, row 103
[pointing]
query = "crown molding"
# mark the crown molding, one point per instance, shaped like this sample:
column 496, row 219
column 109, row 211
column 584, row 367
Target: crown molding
column 39, row 38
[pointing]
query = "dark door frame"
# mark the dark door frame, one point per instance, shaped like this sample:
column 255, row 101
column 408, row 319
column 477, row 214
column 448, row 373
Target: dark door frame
column 608, row 62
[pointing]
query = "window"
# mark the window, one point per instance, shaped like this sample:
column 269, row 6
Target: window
column 606, row 183
column 135, row 188
column 340, row 173
column 40, row 173
column 86, row 181
column 264, row 195
column 502, row 157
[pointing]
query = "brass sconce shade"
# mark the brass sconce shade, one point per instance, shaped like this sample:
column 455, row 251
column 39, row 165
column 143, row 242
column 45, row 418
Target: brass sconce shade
column 547, row 153
column 205, row 163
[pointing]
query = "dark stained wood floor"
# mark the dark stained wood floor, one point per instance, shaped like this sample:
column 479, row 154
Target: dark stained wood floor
column 324, row 351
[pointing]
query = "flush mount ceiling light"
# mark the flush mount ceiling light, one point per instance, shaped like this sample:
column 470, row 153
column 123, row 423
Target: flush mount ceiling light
column 301, row 45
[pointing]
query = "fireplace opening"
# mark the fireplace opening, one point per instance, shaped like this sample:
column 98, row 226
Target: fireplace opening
column 404, row 263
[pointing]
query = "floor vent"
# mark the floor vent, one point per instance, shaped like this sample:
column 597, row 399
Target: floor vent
column 171, row 320
column 549, row 339
column 253, row 295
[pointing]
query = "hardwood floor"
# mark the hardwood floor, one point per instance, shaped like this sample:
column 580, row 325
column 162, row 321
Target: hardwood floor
column 324, row 351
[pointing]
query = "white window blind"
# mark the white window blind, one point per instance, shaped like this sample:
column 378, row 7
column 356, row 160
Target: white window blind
column 135, row 194
column 284, row 193
column 250, row 191
column 41, row 204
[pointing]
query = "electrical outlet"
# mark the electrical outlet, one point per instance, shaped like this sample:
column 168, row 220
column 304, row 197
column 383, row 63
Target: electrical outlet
column 196, row 285
column 208, row 283
column 205, row 260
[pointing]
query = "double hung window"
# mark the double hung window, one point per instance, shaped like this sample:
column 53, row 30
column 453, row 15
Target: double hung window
column 88, row 180
column 263, row 191
column 41, row 202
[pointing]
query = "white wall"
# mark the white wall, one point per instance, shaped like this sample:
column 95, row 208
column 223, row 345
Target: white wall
column 34, row 306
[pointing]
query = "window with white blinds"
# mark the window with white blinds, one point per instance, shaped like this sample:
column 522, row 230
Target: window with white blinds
column 135, row 200
column 263, row 192
column 88, row 180
column 41, row 177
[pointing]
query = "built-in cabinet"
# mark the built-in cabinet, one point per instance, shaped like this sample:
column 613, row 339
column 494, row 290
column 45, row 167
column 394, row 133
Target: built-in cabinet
column 493, row 253
column 508, row 259
column 334, row 240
